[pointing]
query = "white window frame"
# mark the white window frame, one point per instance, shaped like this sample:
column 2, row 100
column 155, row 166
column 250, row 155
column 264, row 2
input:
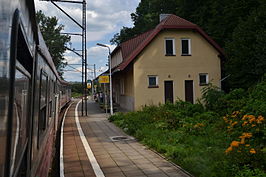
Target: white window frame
column 207, row 79
column 173, row 41
column 189, row 46
column 153, row 86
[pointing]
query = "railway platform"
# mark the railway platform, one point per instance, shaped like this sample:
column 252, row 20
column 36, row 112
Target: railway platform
column 92, row 146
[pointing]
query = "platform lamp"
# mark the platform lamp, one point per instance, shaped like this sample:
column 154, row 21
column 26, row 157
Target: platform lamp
column 110, row 75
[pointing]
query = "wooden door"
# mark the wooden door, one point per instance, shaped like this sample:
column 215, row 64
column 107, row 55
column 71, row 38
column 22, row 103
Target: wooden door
column 189, row 93
column 168, row 91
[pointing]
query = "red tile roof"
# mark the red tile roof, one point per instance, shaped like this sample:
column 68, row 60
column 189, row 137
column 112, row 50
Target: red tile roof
column 173, row 20
column 131, row 48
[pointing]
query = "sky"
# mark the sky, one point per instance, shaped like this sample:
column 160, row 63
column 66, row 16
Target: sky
column 104, row 19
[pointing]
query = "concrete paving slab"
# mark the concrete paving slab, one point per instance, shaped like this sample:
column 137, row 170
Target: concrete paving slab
column 115, row 158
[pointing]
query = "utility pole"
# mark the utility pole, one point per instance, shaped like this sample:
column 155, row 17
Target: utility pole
column 84, row 50
column 93, row 78
column 94, row 68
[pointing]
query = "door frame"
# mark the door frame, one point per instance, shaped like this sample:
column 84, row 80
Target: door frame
column 193, row 89
column 172, row 89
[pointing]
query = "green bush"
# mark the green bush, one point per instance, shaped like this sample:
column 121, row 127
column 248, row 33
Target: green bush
column 247, row 172
column 198, row 138
column 211, row 95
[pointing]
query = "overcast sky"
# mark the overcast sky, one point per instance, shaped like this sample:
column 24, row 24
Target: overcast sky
column 104, row 19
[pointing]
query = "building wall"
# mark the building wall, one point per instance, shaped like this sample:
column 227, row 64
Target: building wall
column 116, row 58
column 124, row 89
column 152, row 61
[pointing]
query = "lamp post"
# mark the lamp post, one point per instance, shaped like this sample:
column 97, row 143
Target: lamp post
column 110, row 75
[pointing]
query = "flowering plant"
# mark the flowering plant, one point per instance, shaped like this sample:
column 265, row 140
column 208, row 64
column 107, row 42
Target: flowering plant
column 247, row 134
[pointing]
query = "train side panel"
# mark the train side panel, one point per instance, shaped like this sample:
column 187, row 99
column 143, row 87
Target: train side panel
column 15, row 17
column 30, row 99
column 44, row 113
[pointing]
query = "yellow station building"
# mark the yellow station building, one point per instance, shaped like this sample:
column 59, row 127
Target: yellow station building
column 172, row 61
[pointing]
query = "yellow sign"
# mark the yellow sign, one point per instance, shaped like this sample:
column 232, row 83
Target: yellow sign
column 88, row 85
column 103, row 79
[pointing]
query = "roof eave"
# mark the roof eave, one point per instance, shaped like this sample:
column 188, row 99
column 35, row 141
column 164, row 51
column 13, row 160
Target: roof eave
column 115, row 50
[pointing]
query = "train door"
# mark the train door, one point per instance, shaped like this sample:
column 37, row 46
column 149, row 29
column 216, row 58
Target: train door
column 21, row 64
column 56, row 111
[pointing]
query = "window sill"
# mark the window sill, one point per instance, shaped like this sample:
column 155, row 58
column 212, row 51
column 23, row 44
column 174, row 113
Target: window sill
column 203, row 84
column 170, row 55
column 153, row 86
column 185, row 54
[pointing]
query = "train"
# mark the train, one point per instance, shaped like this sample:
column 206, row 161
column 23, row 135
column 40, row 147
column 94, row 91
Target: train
column 32, row 93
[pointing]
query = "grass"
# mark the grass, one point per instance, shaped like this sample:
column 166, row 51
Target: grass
column 75, row 95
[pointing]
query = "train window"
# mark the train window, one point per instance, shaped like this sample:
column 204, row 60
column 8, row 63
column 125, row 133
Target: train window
column 43, row 102
column 20, row 114
column 50, row 110
column 21, row 69
column 50, row 105
column 54, row 87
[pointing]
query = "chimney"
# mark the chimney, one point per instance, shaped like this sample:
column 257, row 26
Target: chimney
column 163, row 16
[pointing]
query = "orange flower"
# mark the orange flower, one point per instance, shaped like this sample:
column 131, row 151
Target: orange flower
column 244, row 123
column 235, row 112
column 242, row 140
column 260, row 119
column 251, row 118
column 198, row 125
column 244, row 117
column 247, row 135
column 234, row 123
column 228, row 150
column 225, row 119
column 247, row 145
column 235, row 143
column 253, row 125
column 252, row 151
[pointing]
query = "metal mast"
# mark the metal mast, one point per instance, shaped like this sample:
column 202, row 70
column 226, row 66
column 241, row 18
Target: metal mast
column 84, row 51
column 84, row 45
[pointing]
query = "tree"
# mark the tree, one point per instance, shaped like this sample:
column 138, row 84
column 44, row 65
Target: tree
column 247, row 50
column 145, row 18
column 55, row 41
column 236, row 25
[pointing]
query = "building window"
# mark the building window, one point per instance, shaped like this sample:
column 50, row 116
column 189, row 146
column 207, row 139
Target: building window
column 185, row 47
column 153, row 81
column 169, row 47
column 203, row 79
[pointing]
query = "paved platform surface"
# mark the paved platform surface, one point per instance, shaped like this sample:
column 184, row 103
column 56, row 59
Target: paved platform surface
column 115, row 158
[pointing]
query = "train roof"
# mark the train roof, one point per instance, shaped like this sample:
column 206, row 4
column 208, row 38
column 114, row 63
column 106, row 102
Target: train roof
column 43, row 49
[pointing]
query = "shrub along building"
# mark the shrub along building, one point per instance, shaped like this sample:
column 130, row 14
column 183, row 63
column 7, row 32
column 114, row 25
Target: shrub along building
column 172, row 61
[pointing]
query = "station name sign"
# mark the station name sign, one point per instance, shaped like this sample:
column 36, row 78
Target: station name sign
column 103, row 79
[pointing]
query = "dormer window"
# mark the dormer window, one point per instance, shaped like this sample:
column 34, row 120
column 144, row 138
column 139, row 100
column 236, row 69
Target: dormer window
column 170, row 47
column 185, row 47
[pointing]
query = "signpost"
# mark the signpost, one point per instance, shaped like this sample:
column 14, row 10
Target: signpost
column 104, row 79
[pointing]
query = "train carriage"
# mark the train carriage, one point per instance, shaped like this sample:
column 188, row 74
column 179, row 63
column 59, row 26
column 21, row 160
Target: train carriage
column 31, row 93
